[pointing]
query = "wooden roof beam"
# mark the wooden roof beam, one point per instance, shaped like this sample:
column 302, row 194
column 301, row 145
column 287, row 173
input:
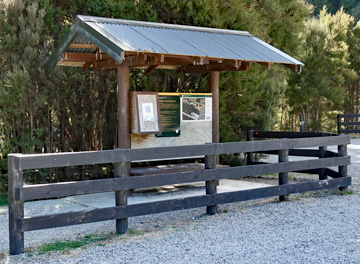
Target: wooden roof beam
column 293, row 67
column 86, row 66
column 245, row 66
column 266, row 65
column 232, row 65
column 151, row 69
column 84, row 57
column 205, row 68
column 131, row 61
column 82, row 46
column 71, row 63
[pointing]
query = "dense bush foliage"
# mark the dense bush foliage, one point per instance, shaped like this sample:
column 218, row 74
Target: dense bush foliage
column 71, row 111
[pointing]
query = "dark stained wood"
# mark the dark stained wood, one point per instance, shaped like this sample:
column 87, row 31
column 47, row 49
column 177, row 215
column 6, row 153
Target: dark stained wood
column 214, row 89
column 122, row 169
column 350, row 123
column 16, row 207
column 82, row 217
column 342, row 150
column 349, row 131
column 348, row 115
column 107, row 185
column 250, row 155
column 210, row 163
column 282, row 134
column 170, row 168
column 322, row 154
column 122, row 182
column 283, row 176
column 303, row 153
column 332, row 173
column 37, row 161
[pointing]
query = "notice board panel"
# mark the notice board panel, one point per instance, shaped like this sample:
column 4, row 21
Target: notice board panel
column 146, row 116
column 169, row 114
column 196, row 107
column 197, row 130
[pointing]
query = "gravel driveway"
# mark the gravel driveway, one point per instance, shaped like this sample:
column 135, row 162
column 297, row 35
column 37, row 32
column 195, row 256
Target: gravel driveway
column 320, row 227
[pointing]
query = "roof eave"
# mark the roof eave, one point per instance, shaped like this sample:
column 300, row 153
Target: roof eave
column 94, row 34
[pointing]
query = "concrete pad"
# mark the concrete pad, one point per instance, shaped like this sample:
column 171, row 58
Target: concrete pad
column 102, row 200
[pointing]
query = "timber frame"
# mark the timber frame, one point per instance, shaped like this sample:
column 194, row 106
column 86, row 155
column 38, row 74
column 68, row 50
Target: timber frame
column 182, row 64
column 116, row 44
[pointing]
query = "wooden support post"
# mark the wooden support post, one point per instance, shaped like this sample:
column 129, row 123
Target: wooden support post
column 210, row 163
column 342, row 151
column 16, row 208
column 339, row 124
column 283, row 176
column 214, row 89
column 250, row 155
column 322, row 154
column 122, row 169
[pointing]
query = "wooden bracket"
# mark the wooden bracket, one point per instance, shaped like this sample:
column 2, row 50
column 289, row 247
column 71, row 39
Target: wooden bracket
column 151, row 69
column 266, row 65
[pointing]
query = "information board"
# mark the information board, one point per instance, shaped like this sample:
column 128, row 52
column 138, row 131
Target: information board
column 169, row 104
column 145, row 109
column 196, row 107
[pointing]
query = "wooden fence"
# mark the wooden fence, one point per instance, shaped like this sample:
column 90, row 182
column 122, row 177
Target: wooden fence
column 18, row 192
column 350, row 122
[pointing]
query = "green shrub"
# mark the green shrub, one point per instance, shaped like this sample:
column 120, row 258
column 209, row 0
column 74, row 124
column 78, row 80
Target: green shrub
column 3, row 178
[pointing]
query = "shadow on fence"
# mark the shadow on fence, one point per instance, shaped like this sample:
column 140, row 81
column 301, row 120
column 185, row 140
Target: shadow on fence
column 284, row 145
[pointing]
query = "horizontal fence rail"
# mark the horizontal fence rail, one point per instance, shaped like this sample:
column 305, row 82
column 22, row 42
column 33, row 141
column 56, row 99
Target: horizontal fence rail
column 348, row 123
column 285, row 144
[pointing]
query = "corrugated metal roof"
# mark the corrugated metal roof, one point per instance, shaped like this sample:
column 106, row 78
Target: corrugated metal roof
column 114, row 36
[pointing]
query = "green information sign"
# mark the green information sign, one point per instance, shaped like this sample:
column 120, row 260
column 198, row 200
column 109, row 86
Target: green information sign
column 169, row 114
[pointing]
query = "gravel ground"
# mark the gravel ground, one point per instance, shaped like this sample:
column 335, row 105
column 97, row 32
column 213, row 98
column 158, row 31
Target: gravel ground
column 317, row 227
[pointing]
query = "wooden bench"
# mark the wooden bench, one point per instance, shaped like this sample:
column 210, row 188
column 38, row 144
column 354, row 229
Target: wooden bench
column 170, row 168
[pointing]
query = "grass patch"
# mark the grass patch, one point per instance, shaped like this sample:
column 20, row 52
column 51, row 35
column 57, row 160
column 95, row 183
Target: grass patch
column 3, row 255
column 133, row 232
column 60, row 246
column 66, row 246
column 3, row 200
column 346, row 192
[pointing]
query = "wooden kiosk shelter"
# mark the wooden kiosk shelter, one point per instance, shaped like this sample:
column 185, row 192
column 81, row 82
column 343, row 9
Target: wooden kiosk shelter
column 113, row 44
column 116, row 44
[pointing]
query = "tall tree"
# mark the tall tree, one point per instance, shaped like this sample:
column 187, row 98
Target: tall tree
column 320, row 87
column 21, row 79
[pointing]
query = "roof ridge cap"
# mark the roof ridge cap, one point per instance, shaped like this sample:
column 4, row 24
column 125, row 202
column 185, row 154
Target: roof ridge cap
column 161, row 25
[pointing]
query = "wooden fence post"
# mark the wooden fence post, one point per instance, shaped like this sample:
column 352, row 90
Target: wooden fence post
column 322, row 154
column 339, row 124
column 283, row 176
column 342, row 151
column 122, row 169
column 16, row 208
column 210, row 163
column 250, row 155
